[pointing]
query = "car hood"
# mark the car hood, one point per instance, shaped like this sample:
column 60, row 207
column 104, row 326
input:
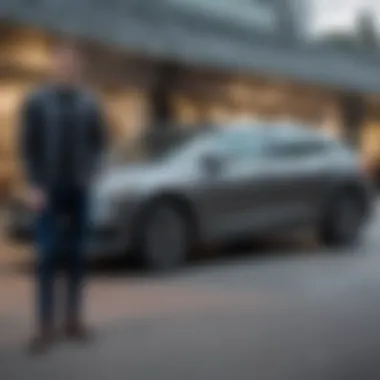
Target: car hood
column 135, row 176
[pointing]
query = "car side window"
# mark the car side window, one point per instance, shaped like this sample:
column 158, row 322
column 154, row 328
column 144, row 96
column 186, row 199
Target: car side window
column 298, row 148
column 241, row 146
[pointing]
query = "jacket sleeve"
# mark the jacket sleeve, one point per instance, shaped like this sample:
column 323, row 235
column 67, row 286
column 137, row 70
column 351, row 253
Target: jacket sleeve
column 99, row 133
column 31, row 148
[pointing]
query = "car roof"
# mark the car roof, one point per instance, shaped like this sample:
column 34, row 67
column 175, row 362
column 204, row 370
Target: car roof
column 287, row 132
column 258, row 128
column 284, row 128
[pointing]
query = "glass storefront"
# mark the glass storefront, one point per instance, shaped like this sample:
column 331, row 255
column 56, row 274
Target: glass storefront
column 198, row 96
column 214, row 97
column 24, row 63
column 370, row 136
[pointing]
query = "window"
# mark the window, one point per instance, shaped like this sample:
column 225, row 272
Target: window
column 257, row 14
column 300, row 147
column 242, row 144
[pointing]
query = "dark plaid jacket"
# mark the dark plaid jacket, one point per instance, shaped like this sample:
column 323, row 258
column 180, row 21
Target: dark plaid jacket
column 39, row 137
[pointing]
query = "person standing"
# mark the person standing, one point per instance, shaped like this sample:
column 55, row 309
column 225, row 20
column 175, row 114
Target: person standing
column 63, row 136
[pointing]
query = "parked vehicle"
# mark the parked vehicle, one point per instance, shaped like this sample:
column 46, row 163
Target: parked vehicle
column 19, row 221
column 223, row 183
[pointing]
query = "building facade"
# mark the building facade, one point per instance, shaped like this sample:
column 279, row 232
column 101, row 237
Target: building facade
column 186, row 62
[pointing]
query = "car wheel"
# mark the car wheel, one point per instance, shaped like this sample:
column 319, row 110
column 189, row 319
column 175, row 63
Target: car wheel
column 343, row 221
column 164, row 238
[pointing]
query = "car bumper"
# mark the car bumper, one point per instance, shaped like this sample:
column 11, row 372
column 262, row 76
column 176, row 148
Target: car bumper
column 105, row 241
column 110, row 229
column 20, row 225
column 109, row 232
column 101, row 241
column 371, row 197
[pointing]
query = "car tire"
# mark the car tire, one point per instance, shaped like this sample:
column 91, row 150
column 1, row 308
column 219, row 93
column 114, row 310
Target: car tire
column 343, row 220
column 164, row 239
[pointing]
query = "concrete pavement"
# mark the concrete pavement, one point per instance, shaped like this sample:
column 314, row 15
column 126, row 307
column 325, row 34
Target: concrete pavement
column 295, row 312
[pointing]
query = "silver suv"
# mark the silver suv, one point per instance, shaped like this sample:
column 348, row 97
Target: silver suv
column 224, row 183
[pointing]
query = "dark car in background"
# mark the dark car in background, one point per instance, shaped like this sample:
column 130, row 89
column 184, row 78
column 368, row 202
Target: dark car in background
column 223, row 183
column 19, row 221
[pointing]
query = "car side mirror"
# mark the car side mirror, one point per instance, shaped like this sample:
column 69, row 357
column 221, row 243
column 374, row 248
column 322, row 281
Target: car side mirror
column 212, row 164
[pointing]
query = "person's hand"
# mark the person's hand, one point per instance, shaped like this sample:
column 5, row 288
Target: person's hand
column 35, row 199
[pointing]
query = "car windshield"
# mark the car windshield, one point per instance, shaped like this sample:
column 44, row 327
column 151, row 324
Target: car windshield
column 152, row 147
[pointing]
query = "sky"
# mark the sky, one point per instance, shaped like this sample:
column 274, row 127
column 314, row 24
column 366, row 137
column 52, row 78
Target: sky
column 331, row 15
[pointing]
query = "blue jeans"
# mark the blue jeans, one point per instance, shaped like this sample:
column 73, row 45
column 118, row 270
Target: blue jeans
column 60, row 231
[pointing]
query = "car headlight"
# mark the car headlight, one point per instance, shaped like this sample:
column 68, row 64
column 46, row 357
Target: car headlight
column 107, row 207
column 101, row 208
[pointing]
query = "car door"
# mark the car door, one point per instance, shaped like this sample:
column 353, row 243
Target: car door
column 315, row 157
column 237, row 199
column 300, row 165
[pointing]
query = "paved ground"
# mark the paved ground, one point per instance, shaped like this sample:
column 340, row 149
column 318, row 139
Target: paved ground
column 285, row 312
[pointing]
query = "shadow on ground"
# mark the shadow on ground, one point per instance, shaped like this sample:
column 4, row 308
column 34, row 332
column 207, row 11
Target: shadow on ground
column 264, row 248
